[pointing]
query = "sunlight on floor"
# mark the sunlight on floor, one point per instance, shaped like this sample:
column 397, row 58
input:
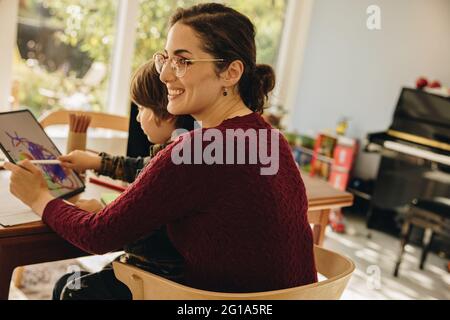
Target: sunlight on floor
column 375, row 260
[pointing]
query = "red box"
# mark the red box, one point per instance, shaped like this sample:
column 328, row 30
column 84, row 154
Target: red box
column 343, row 156
column 339, row 179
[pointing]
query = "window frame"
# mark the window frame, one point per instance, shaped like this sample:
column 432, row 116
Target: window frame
column 291, row 56
column 118, row 99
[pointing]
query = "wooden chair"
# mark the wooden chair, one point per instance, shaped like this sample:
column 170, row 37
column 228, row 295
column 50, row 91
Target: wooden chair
column 147, row 286
column 99, row 119
column 61, row 117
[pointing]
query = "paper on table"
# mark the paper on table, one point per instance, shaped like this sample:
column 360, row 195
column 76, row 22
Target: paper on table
column 13, row 211
column 109, row 197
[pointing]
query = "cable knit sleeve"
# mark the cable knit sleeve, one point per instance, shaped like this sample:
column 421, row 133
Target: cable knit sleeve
column 163, row 193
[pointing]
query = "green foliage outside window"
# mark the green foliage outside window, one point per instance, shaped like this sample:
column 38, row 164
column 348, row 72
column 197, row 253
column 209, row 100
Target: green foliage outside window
column 93, row 23
column 90, row 27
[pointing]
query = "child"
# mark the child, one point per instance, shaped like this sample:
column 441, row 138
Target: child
column 150, row 95
column 155, row 252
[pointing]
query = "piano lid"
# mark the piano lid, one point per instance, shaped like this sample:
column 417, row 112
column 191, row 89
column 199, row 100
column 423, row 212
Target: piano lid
column 423, row 118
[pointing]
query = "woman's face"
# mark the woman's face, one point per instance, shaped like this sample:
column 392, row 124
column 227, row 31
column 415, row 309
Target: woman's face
column 157, row 131
column 200, row 88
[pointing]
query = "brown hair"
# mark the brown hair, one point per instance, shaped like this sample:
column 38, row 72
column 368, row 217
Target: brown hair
column 230, row 35
column 148, row 91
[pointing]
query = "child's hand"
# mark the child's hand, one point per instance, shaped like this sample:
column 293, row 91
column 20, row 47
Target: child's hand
column 92, row 206
column 81, row 161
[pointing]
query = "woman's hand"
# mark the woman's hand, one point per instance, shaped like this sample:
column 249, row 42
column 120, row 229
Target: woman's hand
column 92, row 205
column 28, row 185
column 81, row 161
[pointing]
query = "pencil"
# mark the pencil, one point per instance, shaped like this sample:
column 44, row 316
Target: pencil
column 45, row 161
column 71, row 122
column 106, row 184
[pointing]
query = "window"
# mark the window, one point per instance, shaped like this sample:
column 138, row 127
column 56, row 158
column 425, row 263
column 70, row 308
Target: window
column 65, row 48
column 267, row 15
column 63, row 54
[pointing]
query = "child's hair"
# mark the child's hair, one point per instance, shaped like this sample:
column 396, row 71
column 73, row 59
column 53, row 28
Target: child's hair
column 148, row 91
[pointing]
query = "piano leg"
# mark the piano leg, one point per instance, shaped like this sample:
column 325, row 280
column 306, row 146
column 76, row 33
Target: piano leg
column 406, row 232
column 369, row 221
column 427, row 239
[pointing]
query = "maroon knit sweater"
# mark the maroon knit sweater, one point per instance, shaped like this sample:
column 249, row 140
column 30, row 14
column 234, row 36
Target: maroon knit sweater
column 238, row 230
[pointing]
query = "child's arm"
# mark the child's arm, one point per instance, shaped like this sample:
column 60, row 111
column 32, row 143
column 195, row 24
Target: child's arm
column 126, row 168
column 121, row 168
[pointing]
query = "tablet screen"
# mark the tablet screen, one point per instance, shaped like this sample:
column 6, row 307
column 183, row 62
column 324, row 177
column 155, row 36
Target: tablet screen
column 22, row 137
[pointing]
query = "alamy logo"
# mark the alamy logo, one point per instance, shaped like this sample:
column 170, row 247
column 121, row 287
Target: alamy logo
column 74, row 282
column 374, row 19
column 230, row 148
column 373, row 277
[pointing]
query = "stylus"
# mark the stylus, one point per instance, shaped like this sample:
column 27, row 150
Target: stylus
column 45, row 161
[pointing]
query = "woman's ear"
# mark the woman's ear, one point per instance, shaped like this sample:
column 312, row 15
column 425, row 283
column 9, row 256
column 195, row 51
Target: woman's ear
column 233, row 74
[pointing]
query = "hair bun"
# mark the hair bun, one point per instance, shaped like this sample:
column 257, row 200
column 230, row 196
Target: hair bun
column 266, row 76
column 263, row 82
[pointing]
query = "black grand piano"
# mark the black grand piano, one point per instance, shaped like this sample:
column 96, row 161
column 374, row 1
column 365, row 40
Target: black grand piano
column 415, row 157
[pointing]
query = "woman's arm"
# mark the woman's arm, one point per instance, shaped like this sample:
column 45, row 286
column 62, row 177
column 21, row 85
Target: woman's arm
column 163, row 193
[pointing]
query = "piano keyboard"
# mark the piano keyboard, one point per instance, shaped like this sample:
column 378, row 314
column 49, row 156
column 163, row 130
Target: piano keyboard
column 412, row 151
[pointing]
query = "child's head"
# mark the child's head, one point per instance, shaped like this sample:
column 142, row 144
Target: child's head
column 150, row 95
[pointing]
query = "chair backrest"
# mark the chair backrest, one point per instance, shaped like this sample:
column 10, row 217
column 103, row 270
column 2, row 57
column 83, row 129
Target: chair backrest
column 99, row 119
column 147, row 286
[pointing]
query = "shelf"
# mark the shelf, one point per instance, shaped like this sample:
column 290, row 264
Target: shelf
column 319, row 157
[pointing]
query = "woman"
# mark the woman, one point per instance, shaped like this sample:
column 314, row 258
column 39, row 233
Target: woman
column 238, row 230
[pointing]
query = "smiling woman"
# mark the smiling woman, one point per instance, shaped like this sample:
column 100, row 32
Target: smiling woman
column 235, row 229
column 231, row 53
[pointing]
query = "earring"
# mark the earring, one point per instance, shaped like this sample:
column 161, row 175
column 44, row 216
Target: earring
column 225, row 92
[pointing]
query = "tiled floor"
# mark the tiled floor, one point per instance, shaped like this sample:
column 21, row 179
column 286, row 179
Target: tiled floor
column 372, row 279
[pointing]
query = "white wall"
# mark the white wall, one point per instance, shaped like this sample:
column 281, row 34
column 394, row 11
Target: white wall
column 351, row 71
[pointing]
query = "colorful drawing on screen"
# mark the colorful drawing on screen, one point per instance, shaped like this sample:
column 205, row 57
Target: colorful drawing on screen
column 54, row 174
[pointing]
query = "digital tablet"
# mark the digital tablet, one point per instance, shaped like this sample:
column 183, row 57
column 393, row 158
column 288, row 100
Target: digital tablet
column 22, row 137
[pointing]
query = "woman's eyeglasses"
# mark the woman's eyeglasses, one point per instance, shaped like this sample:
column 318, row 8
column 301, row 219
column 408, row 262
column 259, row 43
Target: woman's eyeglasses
column 177, row 64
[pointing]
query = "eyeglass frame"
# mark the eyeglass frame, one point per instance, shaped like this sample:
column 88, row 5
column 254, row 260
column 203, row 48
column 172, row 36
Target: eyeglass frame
column 180, row 58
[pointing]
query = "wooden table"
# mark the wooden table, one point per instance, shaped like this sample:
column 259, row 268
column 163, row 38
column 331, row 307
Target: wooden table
column 322, row 198
column 33, row 243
